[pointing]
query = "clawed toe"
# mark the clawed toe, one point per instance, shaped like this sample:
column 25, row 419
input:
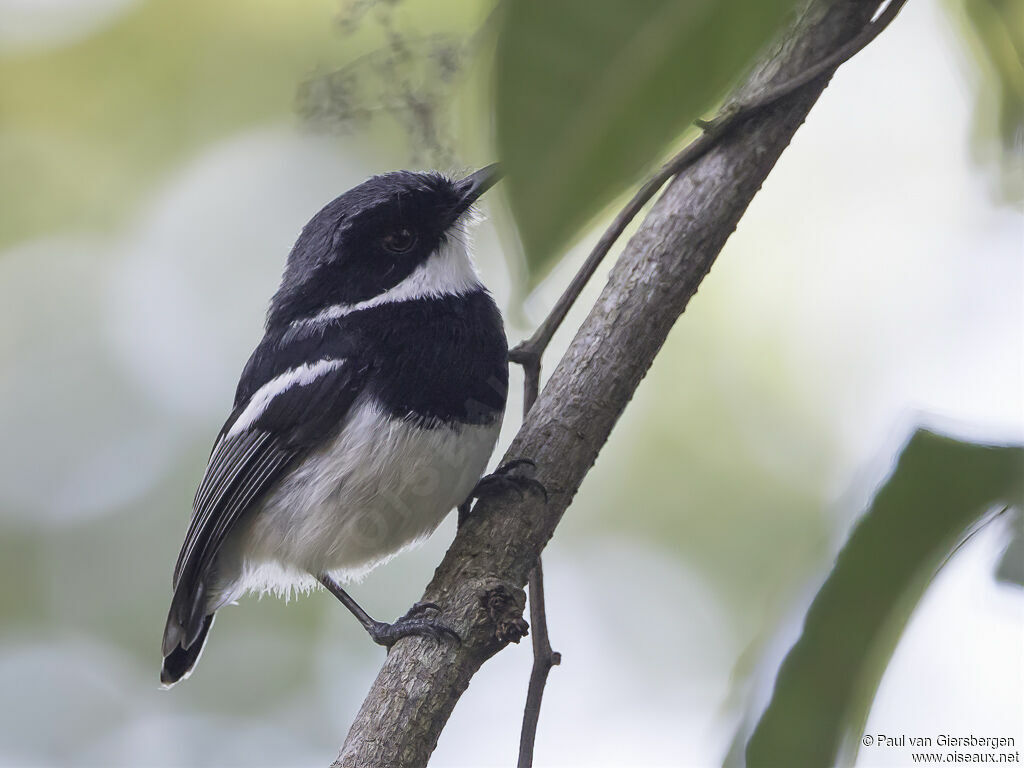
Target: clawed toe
column 422, row 607
column 508, row 466
column 505, row 478
column 517, row 483
column 389, row 634
column 382, row 633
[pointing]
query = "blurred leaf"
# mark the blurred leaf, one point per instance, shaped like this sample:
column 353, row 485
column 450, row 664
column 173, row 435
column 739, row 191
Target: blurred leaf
column 938, row 490
column 994, row 29
column 589, row 95
column 1011, row 565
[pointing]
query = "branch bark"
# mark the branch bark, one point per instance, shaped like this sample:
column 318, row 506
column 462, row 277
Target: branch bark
column 479, row 582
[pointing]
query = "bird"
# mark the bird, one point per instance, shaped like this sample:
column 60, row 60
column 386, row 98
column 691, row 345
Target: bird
column 367, row 412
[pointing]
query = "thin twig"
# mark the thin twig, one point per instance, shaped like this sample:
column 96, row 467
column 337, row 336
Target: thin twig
column 544, row 658
column 733, row 114
column 529, row 352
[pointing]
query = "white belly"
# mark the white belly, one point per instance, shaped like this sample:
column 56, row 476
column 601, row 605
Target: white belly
column 380, row 486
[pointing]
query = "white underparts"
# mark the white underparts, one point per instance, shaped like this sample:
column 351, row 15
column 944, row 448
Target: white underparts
column 381, row 485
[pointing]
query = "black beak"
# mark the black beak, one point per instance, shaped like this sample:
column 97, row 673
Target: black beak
column 474, row 185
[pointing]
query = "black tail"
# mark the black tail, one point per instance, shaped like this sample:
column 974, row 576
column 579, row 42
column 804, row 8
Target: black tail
column 179, row 661
column 185, row 631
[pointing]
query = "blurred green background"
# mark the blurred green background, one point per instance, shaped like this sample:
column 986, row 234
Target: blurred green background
column 157, row 160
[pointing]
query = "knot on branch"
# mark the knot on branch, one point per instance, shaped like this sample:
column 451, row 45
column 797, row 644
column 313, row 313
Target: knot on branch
column 505, row 610
column 525, row 354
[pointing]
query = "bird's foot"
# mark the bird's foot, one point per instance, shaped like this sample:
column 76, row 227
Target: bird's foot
column 509, row 476
column 412, row 623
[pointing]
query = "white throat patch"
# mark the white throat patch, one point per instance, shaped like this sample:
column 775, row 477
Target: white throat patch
column 449, row 271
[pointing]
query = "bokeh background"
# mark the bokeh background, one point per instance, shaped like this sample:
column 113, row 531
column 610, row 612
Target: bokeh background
column 158, row 158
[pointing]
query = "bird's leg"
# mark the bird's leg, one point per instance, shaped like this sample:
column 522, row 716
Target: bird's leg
column 464, row 509
column 382, row 633
column 504, row 478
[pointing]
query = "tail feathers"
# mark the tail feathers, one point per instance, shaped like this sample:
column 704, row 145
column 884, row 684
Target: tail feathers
column 185, row 632
column 179, row 661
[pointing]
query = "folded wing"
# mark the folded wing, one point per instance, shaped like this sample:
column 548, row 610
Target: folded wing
column 265, row 434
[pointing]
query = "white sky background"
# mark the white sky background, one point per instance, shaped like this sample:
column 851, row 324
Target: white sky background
column 874, row 252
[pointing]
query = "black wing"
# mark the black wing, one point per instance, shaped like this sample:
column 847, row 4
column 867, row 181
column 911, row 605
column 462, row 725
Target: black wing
column 275, row 425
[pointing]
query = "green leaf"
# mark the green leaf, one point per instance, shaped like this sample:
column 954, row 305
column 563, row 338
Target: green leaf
column 939, row 489
column 994, row 33
column 589, row 95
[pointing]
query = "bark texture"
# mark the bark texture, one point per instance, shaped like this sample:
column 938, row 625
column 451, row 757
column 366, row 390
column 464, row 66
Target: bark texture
column 479, row 583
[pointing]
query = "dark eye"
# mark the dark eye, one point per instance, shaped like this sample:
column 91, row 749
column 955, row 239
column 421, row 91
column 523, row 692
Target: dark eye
column 399, row 241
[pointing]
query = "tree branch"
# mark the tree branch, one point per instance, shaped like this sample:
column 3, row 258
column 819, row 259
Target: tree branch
column 479, row 582
column 530, row 352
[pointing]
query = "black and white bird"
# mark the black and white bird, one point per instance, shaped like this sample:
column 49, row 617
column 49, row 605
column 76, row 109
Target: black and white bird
column 366, row 414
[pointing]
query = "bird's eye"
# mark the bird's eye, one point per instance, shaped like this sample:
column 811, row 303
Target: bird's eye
column 399, row 241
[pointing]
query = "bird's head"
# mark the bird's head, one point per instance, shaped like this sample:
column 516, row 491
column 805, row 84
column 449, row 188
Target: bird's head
column 395, row 236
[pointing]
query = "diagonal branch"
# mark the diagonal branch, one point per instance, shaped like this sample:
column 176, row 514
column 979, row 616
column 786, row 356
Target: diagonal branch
column 529, row 352
column 479, row 582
